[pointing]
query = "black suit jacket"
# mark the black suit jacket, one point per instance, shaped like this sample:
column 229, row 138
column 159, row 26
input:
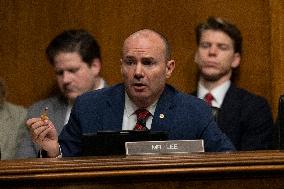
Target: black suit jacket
column 246, row 119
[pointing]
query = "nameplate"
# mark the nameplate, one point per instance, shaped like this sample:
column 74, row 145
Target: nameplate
column 164, row 147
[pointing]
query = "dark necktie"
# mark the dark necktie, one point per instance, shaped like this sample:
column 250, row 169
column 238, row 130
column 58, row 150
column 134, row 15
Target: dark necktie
column 208, row 99
column 142, row 116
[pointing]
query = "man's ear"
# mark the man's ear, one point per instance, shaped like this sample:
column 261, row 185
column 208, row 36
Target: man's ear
column 121, row 66
column 170, row 66
column 195, row 57
column 236, row 61
column 96, row 66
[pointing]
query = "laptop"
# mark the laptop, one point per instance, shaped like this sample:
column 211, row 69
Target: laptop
column 105, row 143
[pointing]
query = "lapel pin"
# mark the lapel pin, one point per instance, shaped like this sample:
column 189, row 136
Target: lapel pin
column 162, row 116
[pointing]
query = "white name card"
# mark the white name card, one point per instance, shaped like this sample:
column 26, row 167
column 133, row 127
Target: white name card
column 164, row 147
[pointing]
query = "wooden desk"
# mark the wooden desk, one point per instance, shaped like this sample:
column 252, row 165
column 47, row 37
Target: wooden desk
column 263, row 169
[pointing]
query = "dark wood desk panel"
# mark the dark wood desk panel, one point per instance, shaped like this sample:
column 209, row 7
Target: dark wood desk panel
column 263, row 169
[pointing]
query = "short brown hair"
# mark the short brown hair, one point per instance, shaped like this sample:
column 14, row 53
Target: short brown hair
column 79, row 41
column 220, row 24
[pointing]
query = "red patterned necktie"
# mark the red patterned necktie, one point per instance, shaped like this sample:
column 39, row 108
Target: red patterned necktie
column 142, row 116
column 208, row 99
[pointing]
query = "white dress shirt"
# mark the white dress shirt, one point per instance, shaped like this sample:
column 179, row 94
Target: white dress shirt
column 218, row 93
column 129, row 116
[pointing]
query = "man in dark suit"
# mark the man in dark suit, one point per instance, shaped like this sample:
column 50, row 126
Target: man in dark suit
column 145, row 66
column 244, row 117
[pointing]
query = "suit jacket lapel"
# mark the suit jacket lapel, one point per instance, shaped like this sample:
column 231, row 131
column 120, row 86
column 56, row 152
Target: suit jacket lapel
column 115, row 110
column 229, row 108
column 164, row 109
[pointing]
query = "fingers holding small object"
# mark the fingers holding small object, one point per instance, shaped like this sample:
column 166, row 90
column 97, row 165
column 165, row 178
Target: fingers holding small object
column 39, row 132
column 41, row 136
column 36, row 126
column 32, row 121
column 39, row 127
column 44, row 115
column 36, row 122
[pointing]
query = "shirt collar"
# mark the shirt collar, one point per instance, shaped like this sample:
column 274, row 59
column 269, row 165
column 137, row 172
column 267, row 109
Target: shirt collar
column 102, row 84
column 130, row 107
column 218, row 92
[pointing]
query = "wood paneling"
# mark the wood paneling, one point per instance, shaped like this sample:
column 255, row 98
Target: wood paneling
column 28, row 25
column 277, row 50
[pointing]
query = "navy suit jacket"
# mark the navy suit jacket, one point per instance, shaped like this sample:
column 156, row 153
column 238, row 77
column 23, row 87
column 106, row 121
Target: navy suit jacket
column 246, row 119
column 185, row 117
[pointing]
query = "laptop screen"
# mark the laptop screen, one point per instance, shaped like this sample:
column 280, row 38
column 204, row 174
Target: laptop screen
column 113, row 142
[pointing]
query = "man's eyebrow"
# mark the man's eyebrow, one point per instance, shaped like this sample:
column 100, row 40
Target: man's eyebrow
column 128, row 56
column 223, row 43
column 207, row 42
column 148, row 58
